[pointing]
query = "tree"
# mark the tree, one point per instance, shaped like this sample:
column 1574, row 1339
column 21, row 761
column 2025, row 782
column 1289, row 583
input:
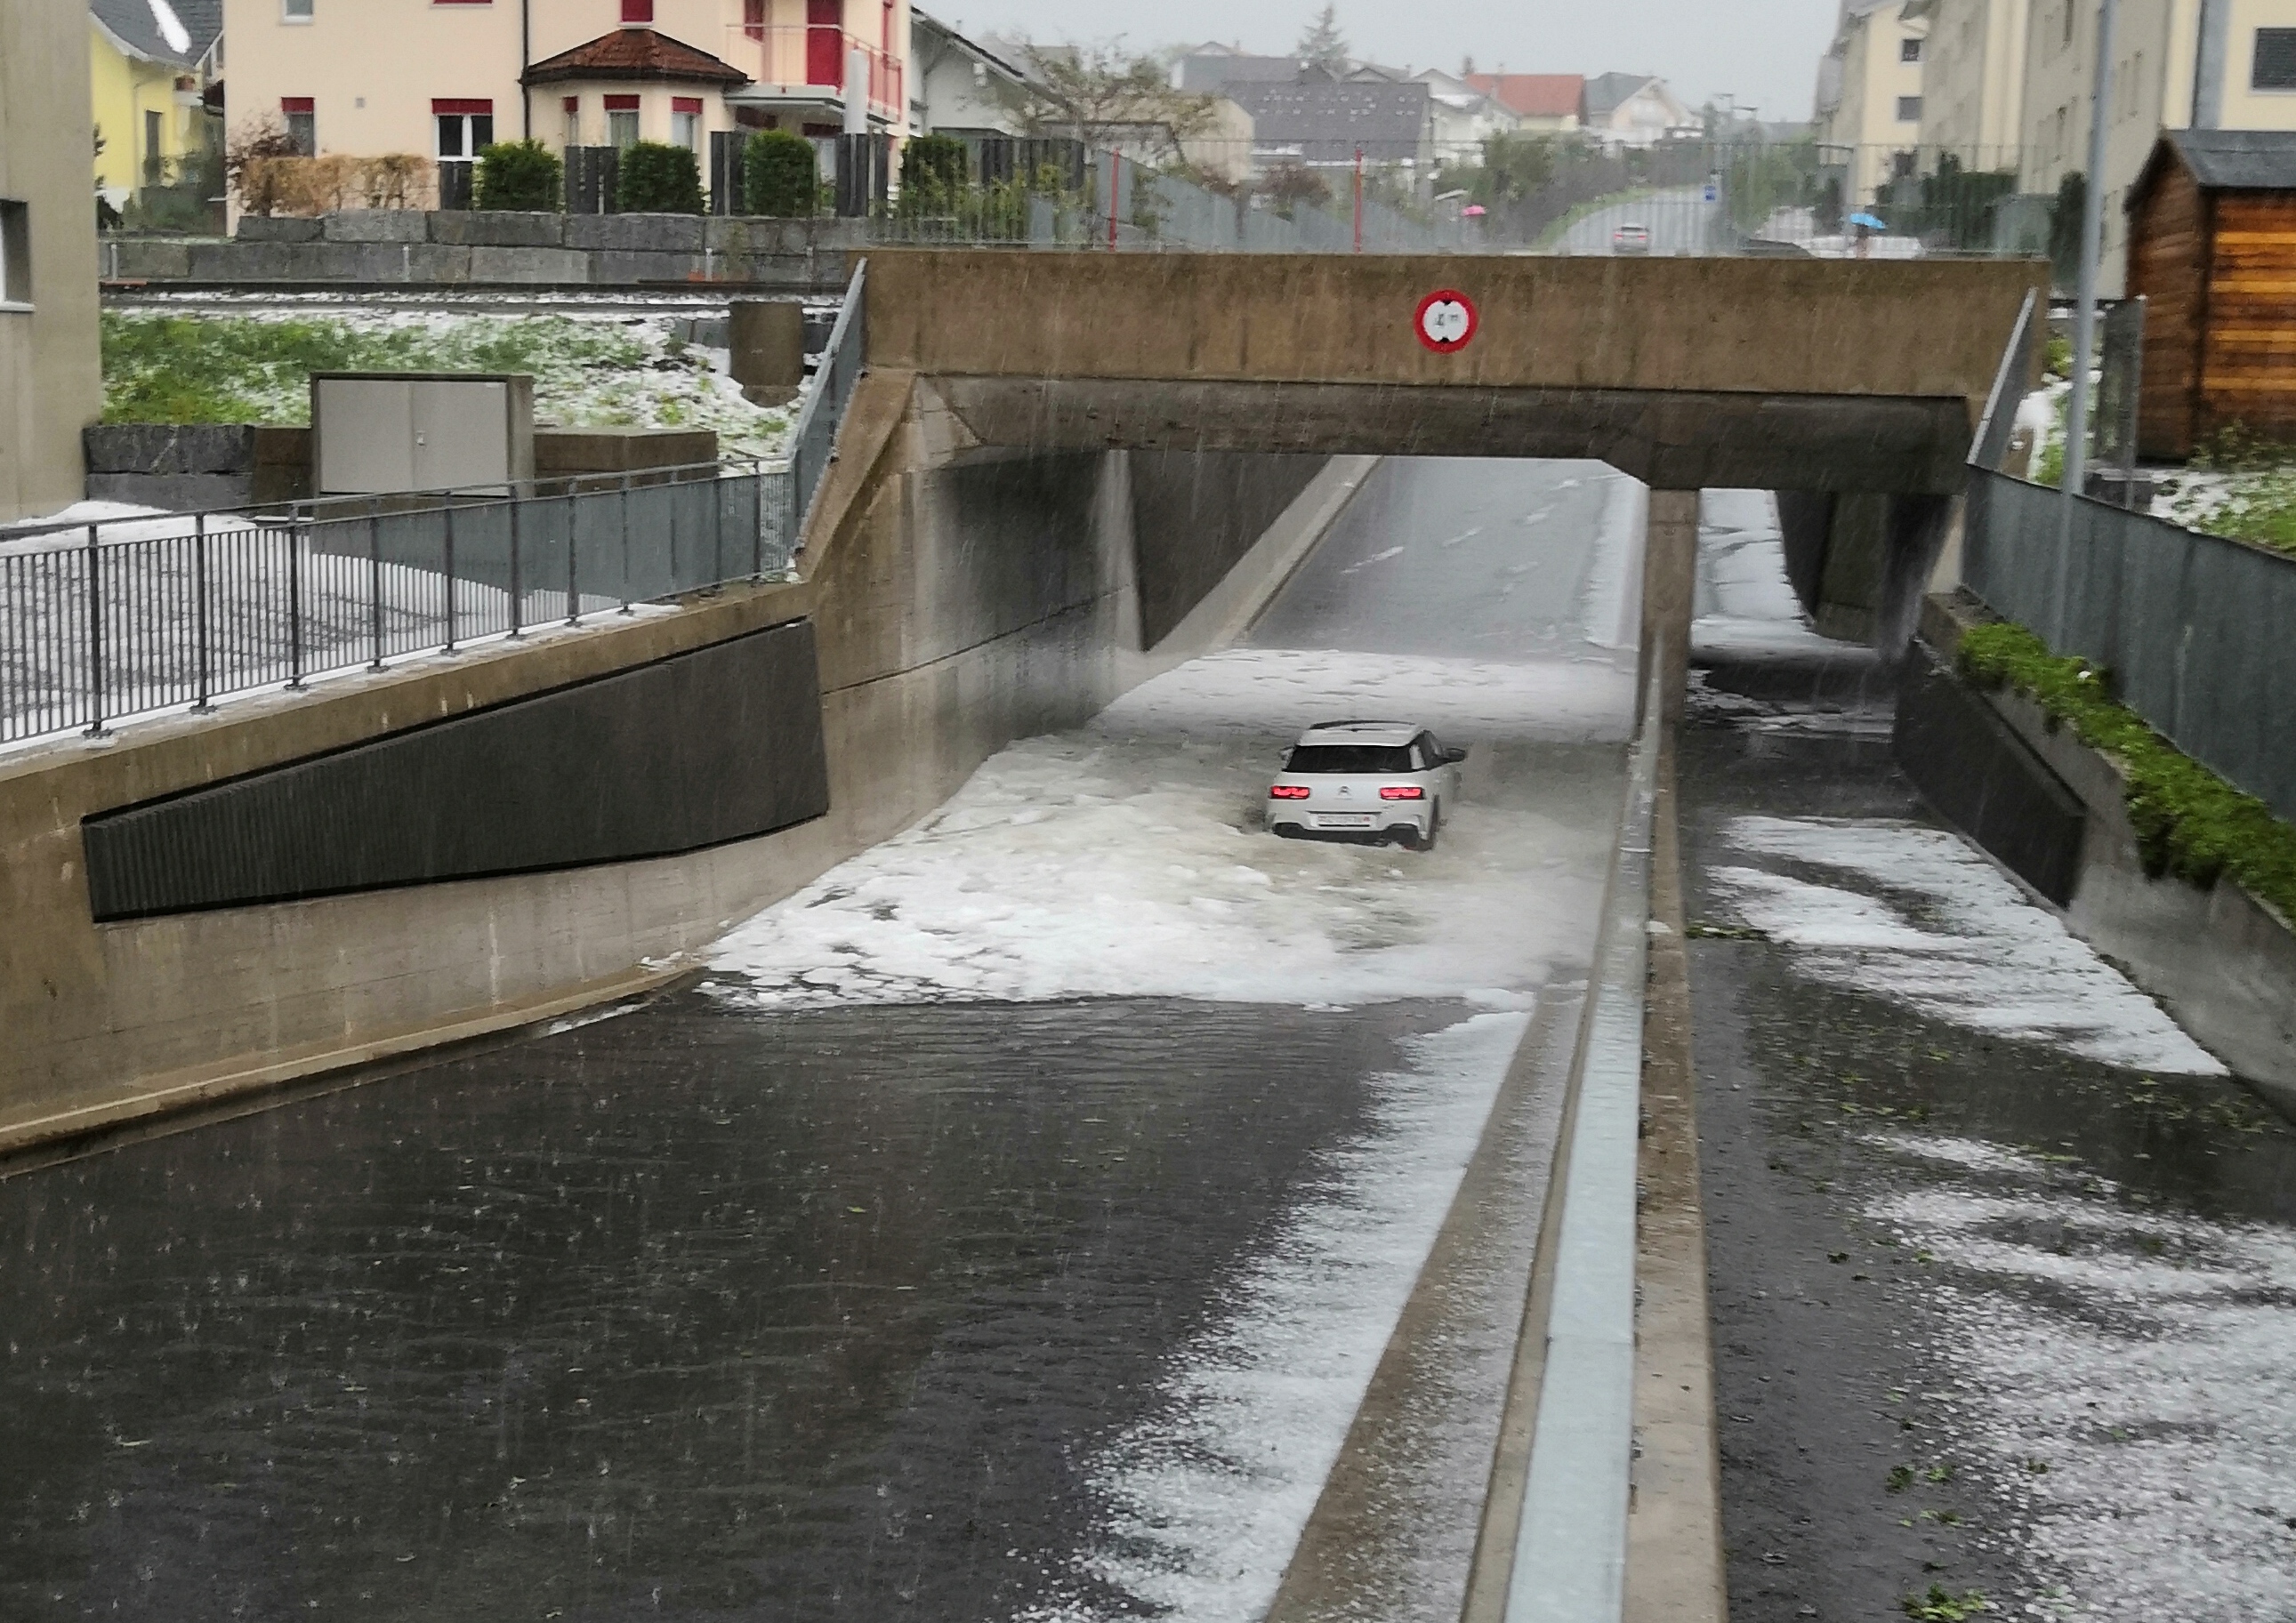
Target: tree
column 1323, row 44
column 780, row 177
column 1084, row 91
column 518, row 174
column 253, row 162
column 1288, row 185
column 656, row 177
column 2065, row 222
column 932, row 174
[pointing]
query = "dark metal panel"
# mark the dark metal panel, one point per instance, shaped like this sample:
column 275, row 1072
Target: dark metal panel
column 721, row 745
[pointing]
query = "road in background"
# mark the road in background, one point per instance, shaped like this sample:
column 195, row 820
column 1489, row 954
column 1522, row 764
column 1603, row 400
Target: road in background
column 1009, row 1226
column 1680, row 221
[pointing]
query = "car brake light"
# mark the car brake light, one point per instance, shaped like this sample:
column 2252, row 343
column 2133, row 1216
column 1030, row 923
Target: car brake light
column 1403, row 792
column 1288, row 791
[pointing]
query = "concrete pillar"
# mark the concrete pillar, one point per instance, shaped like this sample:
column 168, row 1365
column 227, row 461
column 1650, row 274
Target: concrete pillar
column 1669, row 593
column 767, row 337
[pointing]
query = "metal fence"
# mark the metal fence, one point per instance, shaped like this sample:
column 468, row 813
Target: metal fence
column 132, row 617
column 2194, row 628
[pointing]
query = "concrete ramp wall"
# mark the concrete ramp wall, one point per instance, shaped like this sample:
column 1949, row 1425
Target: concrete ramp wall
column 955, row 604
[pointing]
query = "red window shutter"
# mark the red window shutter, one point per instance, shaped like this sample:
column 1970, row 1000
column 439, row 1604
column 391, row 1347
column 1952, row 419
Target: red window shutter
column 572, row 104
column 621, row 103
column 639, row 12
column 463, row 106
column 753, row 17
column 686, row 103
column 297, row 103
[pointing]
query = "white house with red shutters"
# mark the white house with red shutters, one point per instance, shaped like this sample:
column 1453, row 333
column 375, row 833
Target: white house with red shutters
column 441, row 79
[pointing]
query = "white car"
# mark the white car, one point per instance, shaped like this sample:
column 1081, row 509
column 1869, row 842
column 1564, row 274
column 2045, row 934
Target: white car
column 1630, row 239
column 1368, row 782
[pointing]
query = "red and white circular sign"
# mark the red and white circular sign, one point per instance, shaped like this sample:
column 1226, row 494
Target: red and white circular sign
column 1446, row 321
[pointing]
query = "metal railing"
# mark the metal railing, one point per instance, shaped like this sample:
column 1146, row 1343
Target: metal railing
column 105, row 622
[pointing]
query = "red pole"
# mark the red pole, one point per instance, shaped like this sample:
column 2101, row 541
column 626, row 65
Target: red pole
column 1115, row 180
column 1359, row 199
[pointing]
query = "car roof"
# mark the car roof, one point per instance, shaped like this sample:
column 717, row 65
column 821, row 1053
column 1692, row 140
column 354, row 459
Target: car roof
column 1362, row 732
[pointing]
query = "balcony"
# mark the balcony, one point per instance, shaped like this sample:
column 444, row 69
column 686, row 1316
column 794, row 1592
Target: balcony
column 805, row 65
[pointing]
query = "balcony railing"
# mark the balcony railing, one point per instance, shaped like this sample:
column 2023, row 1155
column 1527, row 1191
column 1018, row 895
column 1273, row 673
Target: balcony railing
column 812, row 58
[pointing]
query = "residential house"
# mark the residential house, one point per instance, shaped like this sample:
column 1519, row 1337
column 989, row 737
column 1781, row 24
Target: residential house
column 1465, row 117
column 1319, row 122
column 50, row 382
column 1216, row 143
column 1974, row 79
column 149, row 63
column 1543, row 103
column 961, row 86
column 2212, row 235
column 1214, row 67
column 1623, row 110
column 441, row 79
column 1869, row 97
column 2205, row 64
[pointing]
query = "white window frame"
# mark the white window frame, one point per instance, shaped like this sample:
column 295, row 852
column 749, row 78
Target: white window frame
column 636, row 127
column 297, row 11
column 471, row 143
column 685, row 130
column 15, row 256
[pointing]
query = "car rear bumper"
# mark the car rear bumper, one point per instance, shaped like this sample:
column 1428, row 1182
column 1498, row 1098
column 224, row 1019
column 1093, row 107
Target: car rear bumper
column 1404, row 818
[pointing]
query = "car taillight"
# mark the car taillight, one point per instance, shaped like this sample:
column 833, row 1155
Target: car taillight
column 1403, row 792
column 1288, row 791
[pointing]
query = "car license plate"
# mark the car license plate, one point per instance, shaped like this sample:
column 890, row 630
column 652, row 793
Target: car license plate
column 1344, row 820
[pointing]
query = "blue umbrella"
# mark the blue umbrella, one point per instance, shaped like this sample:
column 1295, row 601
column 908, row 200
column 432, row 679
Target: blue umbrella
column 1868, row 221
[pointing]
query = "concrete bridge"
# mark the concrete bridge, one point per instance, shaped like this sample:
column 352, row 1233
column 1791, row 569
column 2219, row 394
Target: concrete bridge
column 1062, row 471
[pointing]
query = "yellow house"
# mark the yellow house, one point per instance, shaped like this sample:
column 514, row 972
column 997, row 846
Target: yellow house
column 149, row 63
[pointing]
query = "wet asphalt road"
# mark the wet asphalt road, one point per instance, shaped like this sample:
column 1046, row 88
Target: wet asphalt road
column 1928, row 1254
column 701, row 1311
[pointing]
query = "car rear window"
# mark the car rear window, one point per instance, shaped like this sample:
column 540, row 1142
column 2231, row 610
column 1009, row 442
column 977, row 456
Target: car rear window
column 1350, row 758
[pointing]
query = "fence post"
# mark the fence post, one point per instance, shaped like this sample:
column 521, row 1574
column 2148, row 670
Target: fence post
column 447, row 512
column 200, row 653
column 626, row 544
column 294, row 595
column 757, row 534
column 716, row 531
column 374, row 575
column 514, row 581
column 1359, row 199
column 573, row 579
column 94, row 637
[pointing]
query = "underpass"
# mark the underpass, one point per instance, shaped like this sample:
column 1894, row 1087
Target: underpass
column 1009, row 1225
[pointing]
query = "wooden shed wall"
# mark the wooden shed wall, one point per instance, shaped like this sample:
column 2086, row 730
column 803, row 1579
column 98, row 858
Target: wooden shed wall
column 2167, row 248
column 2248, row 354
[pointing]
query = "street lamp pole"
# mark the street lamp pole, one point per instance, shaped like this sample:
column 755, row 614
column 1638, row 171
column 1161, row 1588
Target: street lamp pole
column 2092, row 250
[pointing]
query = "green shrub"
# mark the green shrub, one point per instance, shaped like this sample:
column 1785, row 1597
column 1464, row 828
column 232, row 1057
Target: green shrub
column 2189, row 822
column 658, row 178
column 778, row 175
column 933, row 175
column 518, row 174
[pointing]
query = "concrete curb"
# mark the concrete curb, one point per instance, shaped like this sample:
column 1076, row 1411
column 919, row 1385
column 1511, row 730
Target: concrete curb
column 1675, row 1567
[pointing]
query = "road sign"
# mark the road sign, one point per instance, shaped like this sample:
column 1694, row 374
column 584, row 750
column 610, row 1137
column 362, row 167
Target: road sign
column 1446, row 320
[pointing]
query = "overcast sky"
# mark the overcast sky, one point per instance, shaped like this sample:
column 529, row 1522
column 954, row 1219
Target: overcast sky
column 1763, row 52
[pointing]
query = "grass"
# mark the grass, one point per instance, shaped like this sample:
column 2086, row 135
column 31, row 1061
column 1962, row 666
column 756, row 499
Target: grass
column 1940, row 1605
column 161, row 368
column 2189, row 822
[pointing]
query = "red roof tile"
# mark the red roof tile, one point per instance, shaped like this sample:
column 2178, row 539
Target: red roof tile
column 1533, row 95
column 635, row 55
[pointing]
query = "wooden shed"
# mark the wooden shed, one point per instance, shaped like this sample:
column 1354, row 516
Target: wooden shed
column 2212, row 248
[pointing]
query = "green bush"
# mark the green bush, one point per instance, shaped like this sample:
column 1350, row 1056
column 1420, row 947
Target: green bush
column 933, row 175
column 2189, row 822
column 778, row 175
column 518, row 174
column 658, row 178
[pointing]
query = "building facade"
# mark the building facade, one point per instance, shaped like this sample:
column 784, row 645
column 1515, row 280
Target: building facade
column 51, row 381
column 1870, row 93
column 149, row 66
column 439, row 78
column 1543, row 103
column 1623, row 110
column 1974, row 79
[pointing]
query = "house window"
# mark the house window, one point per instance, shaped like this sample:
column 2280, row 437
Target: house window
column 302, row 118
column 622, row 122
column 295, row 11
column 154, row 140
column 686, row 123
column 2275, row 65
column 464, row 127
column 637, row 13
column 573, row 105
column 1909, row 50
column 753, row 17
column 1909, row 109
column 15, row 254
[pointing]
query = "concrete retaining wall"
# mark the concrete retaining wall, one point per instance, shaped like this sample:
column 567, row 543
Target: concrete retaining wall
column 958, row 604
column 2222, row 962
column 409, row 247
